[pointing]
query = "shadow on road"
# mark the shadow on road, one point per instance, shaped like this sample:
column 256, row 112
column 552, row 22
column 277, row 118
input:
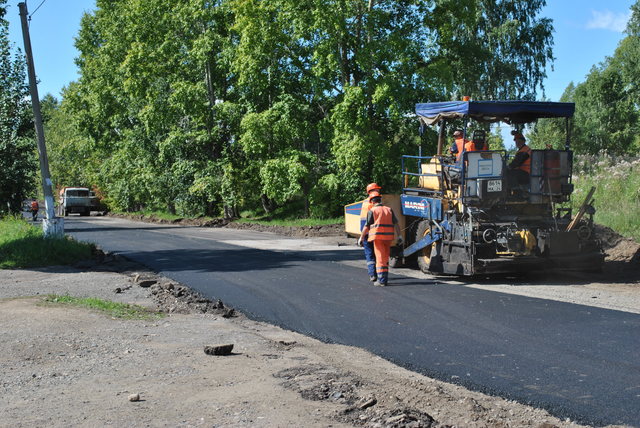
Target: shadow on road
column 232, row 259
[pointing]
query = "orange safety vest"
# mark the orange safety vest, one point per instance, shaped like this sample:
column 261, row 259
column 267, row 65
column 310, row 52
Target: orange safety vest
column 526, row 165
column 460, row 143
column 382, row 228
column 471, row 147
column 35, row 206
column 366, row 207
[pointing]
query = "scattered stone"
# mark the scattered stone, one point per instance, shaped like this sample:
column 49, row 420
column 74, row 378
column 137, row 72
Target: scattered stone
column 336, row 395
column 134, row 397
column 147, row 283
column 118, row 290
column 287, row 342
column 368, row 403
column 394, row 419
column 218, row 349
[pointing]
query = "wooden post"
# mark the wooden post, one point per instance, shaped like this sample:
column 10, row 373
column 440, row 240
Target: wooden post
column 582, row 210
column 441, row 137
column 51, row 225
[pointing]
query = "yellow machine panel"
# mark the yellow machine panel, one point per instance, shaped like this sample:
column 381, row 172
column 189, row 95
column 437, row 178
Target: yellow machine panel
column 432, row 179
column 353, row 224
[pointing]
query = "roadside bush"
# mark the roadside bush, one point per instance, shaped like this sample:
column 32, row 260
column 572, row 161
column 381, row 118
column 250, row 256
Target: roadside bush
column 617, row 196
column 23, row 245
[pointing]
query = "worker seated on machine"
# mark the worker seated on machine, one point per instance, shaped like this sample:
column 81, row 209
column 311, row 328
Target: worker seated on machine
column 478, row 143
column 519, row 168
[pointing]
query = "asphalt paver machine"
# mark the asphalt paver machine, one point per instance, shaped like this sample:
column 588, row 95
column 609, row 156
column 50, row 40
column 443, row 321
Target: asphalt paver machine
column 470, row 217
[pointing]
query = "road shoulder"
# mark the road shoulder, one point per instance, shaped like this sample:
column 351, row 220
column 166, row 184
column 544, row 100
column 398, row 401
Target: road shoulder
column 70, row 366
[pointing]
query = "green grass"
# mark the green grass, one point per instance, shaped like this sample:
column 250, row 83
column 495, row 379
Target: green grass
column 293, row 222
column 617, row 196
column 112, row 309
column 156, row 214
column 23, row 245
column 279, row 218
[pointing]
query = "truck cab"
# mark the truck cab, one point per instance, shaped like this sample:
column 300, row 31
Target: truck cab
column 79, row 200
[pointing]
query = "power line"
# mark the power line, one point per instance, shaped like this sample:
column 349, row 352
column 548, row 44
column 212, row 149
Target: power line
column 34, row 12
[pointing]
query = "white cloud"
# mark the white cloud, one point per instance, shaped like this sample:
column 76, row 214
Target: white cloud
column 607, row 20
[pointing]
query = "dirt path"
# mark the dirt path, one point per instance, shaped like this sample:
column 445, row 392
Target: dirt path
column 74, row 367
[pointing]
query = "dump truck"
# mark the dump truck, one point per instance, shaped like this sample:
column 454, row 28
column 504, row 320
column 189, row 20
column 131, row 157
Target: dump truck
column 468, row 217
column 76, row 200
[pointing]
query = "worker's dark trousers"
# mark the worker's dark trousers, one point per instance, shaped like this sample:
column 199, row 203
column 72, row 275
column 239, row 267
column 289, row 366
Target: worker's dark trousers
column 369, row 255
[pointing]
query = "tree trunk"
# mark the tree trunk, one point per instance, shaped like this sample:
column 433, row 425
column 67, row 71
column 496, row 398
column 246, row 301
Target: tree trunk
column 229, row 212
column 267, row 204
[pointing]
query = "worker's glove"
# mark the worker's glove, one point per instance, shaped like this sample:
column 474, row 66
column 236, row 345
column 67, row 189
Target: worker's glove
column 399, row 241
column 360, row 244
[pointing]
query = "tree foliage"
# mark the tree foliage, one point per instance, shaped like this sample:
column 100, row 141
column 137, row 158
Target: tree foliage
column 607, row 114
column 208, row 106
column 18, row 164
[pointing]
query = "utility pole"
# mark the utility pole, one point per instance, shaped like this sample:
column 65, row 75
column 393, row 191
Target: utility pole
column 51, row 225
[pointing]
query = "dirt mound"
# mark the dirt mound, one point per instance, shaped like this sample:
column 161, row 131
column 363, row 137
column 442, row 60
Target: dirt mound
column 296, row 231
column 617, row 247
column 198, row 221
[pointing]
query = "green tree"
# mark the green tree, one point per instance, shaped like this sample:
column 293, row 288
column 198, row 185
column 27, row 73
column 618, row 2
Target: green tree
column 552, row 132
column 495, row 139
column 198, row 106
column 18, row 164
column 607, row 114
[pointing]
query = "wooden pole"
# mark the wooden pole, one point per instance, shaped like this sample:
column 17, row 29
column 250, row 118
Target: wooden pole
column 582, row 210
column 51, row 225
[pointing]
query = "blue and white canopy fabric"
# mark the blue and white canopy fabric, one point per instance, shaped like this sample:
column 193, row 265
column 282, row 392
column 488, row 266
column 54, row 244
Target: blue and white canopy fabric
column 492, row 111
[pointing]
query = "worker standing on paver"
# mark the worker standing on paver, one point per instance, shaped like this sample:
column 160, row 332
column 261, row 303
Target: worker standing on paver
column 369, row 254
column 379, row 228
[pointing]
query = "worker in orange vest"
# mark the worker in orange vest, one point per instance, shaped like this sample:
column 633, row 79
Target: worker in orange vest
column 458, row 144
column 369, row 254
column 35, row 207
column 380, row 227
column 478, row 142
column 520, row 166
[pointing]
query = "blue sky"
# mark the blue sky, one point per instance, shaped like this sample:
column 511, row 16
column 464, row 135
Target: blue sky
column 586, row 31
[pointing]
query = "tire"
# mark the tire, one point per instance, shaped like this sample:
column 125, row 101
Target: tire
column 424, row 255
column 395, row 259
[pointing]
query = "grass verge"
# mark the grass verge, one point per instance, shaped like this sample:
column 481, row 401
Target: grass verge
column 161, row 215
column 617, row 196
column 23, row 245
column 112, row 309
column 293, row 222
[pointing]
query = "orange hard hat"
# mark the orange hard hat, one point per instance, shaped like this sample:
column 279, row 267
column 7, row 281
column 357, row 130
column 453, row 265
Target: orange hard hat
column 373, row 194
column 372, row 187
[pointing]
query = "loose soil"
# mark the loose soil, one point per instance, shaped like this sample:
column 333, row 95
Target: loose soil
column 294, row 231
column 66, row 366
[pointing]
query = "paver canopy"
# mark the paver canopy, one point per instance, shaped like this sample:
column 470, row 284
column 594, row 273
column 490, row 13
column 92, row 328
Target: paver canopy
column 492, row 111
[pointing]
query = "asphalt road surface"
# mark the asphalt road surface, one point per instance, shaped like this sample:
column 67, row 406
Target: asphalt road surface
column 576, row 361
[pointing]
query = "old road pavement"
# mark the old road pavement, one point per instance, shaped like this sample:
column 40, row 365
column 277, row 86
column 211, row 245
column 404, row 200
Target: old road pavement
column 576, row 361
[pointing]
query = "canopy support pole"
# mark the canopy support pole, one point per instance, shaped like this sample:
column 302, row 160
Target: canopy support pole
column 441, row 137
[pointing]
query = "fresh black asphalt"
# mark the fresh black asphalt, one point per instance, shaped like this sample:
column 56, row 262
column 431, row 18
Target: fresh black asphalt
column 576, row 361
